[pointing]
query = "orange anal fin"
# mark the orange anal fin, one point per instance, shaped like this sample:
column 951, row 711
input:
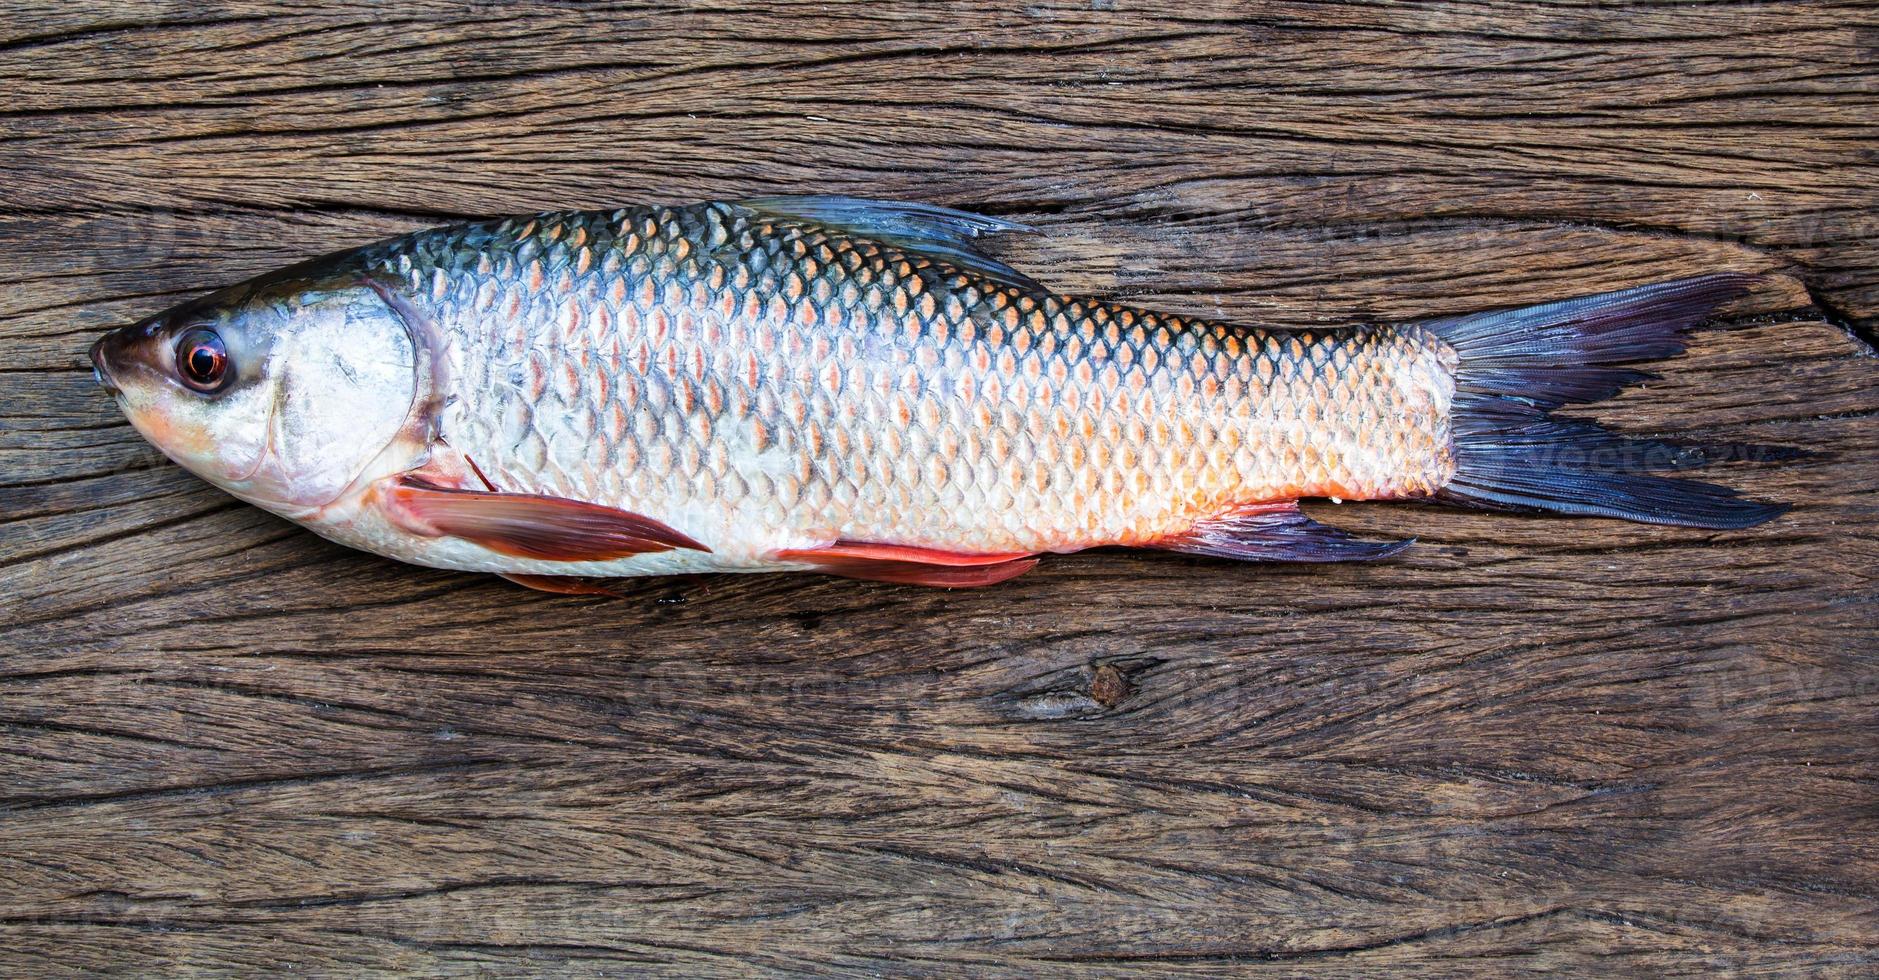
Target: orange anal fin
column 1275, row 532
column 562, row 584
column 905, row 565
column 527, row 525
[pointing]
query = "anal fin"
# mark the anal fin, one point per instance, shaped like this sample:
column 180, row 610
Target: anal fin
column 904, row 565
column 1275, row 532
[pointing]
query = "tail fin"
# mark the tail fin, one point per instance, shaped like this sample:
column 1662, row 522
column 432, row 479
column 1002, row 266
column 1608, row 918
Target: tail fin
column 1519, row 365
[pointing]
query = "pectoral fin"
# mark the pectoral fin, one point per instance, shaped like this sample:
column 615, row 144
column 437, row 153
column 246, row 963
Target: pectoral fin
column 530, row 525
column 1275, row 532
column 904, row 565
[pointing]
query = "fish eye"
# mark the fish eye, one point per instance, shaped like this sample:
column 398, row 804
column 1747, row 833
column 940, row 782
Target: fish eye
column 201, row 359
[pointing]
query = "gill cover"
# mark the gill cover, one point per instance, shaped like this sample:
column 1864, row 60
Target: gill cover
column 344, row 367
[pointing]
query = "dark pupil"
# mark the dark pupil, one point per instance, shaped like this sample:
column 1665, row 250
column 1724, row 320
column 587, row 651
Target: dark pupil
column 204, row 359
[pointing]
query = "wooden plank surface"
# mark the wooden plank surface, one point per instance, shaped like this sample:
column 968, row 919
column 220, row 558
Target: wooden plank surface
column 1528, row 743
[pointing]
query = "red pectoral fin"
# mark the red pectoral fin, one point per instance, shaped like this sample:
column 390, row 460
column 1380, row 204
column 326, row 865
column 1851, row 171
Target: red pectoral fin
column 911, row 566
column 530, row 525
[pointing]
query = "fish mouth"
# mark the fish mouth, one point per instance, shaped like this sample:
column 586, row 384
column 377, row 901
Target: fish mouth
column 125, row 353
column 101, row 365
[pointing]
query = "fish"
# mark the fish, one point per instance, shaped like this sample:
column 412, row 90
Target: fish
column 860, row 388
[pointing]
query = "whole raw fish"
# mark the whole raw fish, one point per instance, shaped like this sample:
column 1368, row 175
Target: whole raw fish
column 852, row 387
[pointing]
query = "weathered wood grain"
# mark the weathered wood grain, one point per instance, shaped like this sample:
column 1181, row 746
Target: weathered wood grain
column 1527, row 744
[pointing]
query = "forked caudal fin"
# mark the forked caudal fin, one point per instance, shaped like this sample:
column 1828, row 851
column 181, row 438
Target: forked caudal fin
column 1518, row 365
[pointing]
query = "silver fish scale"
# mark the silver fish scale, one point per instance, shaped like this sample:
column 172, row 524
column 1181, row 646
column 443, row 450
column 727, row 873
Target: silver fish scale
column 763, row 383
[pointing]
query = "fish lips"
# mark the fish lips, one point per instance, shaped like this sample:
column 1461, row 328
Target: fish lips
column 123, row 351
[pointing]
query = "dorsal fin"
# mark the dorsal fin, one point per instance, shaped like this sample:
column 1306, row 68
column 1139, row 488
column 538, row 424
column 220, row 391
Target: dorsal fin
column 929, row 229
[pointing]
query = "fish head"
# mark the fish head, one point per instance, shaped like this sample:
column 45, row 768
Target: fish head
column 287, row 392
